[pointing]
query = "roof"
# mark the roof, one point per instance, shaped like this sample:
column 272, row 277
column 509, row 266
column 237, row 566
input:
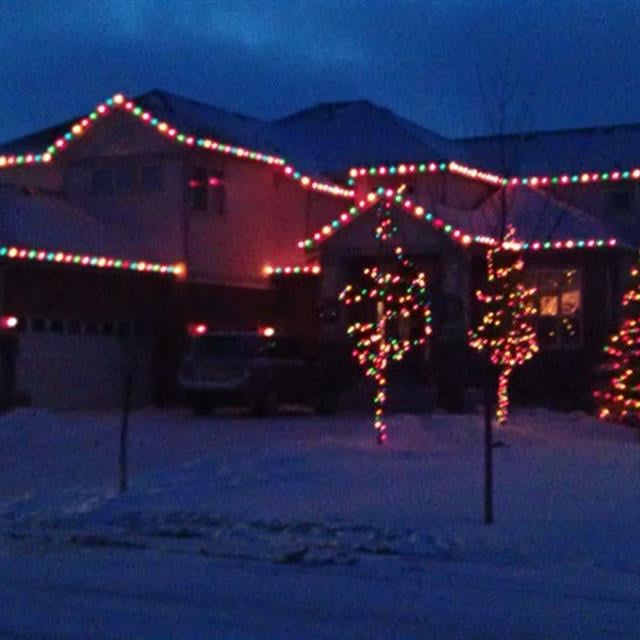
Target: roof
column 332, row 137
column 535, row 215
column 204, row 120
column 46, row 223
column 541, row 222
column 329, row 138
column 603, row 148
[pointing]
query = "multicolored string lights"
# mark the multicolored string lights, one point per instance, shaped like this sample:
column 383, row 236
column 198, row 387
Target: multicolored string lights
column 396, row 296
column 561, row 179
column 120, row 103
column 505, row 333
column 307, row 269
column 455, row 234
column 619, row 399
column 99, row 262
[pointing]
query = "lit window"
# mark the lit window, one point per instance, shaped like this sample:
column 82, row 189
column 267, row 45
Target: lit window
column 559, row 303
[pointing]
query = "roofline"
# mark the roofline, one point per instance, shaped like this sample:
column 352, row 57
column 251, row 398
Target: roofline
column 70, row 258
column 562, row 179
column 119, row 102
column 546, row 132
column 454, row 234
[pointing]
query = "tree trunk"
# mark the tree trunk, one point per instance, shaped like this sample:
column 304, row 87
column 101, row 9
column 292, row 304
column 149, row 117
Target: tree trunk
column 124, row 429
column 488, row 447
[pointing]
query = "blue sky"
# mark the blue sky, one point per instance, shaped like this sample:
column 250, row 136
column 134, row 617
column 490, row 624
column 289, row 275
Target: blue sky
column 443, row 64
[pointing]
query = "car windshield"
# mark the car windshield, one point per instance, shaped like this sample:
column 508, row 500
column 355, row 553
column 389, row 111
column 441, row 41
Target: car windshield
column 227, row 346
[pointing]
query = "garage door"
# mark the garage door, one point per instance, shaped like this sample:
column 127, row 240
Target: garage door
column 73, row 365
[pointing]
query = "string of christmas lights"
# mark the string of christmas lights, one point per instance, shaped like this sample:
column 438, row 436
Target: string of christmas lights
column 561, row 179
column 99, row 262
column 457, row 235
column 398, row 294
column 313, row 269
column 619, row 399
column 424, row 167
column 120, row 102
column 505, row 332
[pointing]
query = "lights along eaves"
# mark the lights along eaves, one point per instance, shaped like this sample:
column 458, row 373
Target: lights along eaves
column 83, row 260
column 457, row 235
column 118, row 101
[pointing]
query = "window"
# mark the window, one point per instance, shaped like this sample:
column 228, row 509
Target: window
column 198, row 189
column 206, row 190
column 151, row 177
column 101, row 182
column 216, row 192
column 126, row 177
column 559, row 302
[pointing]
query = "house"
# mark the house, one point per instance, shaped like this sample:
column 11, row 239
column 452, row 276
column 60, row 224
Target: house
column 151, row 213
column 137, row 219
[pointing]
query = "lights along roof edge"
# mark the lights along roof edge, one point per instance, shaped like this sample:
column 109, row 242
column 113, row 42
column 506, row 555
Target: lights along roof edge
column 120, row 102
column 457, row 235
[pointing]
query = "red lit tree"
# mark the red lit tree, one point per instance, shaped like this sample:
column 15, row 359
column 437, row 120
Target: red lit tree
column 505, row 333
column 398, row 293
column 619, row 400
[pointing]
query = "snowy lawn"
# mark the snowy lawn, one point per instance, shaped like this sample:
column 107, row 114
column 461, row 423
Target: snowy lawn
column 301, row 527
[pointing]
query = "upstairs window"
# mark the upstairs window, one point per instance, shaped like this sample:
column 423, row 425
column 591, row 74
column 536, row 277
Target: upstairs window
column 206, row 190
column 102, row 182
column 198, row 189
column 151, row 177
column 125, row 176
column 559, row 304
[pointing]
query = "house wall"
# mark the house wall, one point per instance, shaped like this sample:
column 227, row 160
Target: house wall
column 264, row 216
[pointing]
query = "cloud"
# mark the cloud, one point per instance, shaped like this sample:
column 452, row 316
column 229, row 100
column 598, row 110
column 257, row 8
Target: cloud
column 443, row 64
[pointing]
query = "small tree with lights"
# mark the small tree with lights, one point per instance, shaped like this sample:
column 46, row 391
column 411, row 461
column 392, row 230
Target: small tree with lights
column 505, row 333
column 399, row 294
column 619, row 399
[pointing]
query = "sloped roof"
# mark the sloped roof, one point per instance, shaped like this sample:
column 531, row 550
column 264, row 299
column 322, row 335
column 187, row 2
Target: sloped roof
column 536, row 216
column 539, row 220
column 564, row 151
column 48, row 222
column 206, row 120
column 329, row 138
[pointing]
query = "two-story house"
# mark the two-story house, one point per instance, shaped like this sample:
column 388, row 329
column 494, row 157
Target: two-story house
column 151, row 213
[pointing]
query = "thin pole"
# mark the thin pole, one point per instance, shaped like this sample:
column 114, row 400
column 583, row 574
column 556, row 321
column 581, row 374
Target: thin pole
column 124, row 428
column 488, row 448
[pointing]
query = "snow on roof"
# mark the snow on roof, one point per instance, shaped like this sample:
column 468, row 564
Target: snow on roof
column 536, row 216
column 209, row 121
column 48, row 222
column 539, row 220
column 565, row 151
column 332, row 137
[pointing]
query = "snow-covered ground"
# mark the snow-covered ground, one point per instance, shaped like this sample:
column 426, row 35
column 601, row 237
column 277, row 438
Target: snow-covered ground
column 301, row 527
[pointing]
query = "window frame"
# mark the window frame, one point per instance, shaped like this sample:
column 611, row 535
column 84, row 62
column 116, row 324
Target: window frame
column 537, row 274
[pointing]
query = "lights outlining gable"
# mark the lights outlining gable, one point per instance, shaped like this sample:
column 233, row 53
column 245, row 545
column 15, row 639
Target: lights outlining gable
column 120, row 102
column 457, row 235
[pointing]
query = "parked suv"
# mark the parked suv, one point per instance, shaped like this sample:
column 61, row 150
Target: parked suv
column 259, row 370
